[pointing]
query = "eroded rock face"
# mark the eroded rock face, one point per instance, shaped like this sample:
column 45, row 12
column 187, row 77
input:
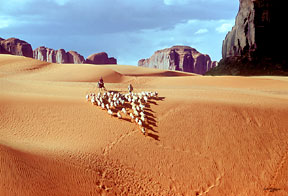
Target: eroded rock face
column 241, row 38
column 74, row 57
column 100, row 58
column 57, row 56
column 16, row 47
column 180, row 58
column 2, row 50
column 259, row 29
column 256, row 41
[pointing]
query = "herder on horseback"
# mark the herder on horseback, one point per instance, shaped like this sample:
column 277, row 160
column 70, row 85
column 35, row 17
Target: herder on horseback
column 100, row 84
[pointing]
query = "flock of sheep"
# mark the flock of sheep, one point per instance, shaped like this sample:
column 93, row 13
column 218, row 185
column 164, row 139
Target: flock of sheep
column 112, row 101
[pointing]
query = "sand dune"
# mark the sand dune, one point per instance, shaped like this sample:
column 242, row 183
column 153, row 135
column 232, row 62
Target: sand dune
column 206, row 135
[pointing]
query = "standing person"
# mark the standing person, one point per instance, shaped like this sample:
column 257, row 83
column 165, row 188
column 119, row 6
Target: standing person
column 130, row 88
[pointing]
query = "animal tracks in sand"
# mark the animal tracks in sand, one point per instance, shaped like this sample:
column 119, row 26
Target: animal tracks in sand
column 173, row 148
column 210, row 187
column 110, row 146
column 279, row 167
column 251, row 119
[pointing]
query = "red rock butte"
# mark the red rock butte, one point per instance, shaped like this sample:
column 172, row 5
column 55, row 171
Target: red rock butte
column 179, row 58
column 100, row 58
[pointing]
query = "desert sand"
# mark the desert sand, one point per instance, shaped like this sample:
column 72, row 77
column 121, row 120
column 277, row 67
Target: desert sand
column 207, row 135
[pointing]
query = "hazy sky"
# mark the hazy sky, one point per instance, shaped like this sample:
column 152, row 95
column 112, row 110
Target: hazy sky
column 128, row 30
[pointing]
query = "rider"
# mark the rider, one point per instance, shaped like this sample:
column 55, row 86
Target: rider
column 101, row 80
column 101, row 84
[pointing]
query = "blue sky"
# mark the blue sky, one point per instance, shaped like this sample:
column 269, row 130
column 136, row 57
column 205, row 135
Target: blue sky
column 128, row 30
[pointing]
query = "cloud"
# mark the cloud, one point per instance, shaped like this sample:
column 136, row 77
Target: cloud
column 61, row 2
column 225, row 27
column 4, row 22
column 201, row 31
column 175, row 2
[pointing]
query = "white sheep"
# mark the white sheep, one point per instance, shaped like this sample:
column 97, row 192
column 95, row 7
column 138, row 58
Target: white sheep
column 87, row 97
column 140, row 123
column 145, row 99
column 142, row 114
column 136, row 113
column 143, row 130
column 132, row 116
column 124, row 110
column 110, row 112
column 107, row 106
column 137, row 108
column 141, row 106
column 143, row 118
column 156, row 94
column 102, row 105
column 119, row 115
column 93, row 101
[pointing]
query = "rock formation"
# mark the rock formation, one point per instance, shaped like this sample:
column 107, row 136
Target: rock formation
column 16, row 47
column 57, row 56
column 100, row 58
column 255, row 43
column 75, row 57
column 180, row 58
column 2, row 50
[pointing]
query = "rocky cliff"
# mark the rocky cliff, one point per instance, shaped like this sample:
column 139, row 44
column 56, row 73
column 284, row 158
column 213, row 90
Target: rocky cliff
column 255, row 43
column 180, row 58
column 57, row 56
column 100, row 58
column 16, row 47
column 19, row 47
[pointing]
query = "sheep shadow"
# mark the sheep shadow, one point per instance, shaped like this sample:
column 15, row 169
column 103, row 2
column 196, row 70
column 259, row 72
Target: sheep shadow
column 158, row 98
column 152, row 123
column 149, row 115
column 147, row 106
column 149, row 127
column 126, row 119
column 154, row 136
column 153, row 102
column 148, row 110
column 272, row 189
